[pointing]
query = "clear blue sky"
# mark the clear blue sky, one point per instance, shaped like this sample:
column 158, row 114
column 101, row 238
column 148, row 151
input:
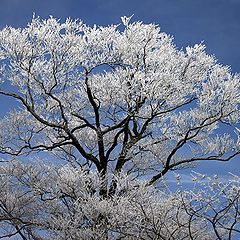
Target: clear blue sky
column 216, row 22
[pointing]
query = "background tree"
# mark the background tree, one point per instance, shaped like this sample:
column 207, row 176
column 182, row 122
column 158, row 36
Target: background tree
column 118, row 103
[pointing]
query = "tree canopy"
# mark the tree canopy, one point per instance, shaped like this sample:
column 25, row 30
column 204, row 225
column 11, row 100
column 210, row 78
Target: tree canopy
column 117, row 108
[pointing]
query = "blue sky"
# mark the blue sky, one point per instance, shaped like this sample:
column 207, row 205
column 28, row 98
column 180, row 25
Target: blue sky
column 216, row 22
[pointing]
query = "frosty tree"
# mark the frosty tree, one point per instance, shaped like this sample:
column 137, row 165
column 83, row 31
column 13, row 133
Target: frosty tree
column 118, row 107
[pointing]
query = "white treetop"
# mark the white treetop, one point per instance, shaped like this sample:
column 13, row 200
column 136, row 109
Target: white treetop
column 123, row 106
